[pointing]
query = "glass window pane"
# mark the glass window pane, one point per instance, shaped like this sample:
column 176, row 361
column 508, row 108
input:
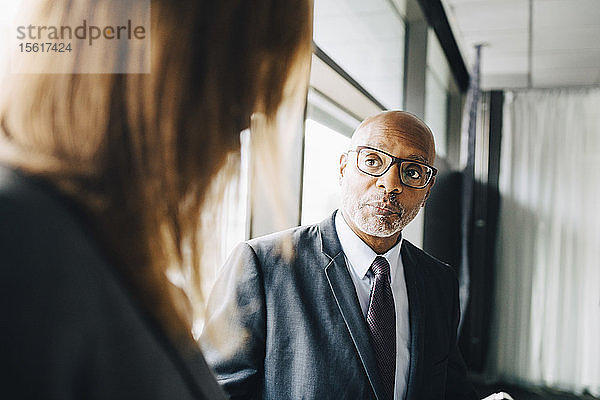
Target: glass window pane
column 437, row 82
column 323, row 147
column 366, row 38
column 436, row 111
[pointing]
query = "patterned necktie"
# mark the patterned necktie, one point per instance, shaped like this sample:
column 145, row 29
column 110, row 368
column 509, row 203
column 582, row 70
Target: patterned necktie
column 381, row 319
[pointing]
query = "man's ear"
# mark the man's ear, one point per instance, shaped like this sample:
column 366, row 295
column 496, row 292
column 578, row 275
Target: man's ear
column 343, row 163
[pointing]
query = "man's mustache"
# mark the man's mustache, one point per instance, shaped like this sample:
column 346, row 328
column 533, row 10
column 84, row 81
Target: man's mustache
column 387, row 201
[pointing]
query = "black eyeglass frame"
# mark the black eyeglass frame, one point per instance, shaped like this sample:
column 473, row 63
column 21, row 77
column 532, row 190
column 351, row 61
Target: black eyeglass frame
column 395, row 160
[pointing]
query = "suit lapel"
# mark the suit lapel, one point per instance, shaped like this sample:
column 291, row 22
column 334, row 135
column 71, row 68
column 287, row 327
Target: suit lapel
column 344, row 292
column 415, row 288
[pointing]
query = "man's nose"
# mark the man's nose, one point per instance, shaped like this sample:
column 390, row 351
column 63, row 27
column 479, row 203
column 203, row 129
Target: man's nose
column 390, row 181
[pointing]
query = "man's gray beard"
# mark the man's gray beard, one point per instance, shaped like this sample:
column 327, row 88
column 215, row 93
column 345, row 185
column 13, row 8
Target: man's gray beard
column 376, row 225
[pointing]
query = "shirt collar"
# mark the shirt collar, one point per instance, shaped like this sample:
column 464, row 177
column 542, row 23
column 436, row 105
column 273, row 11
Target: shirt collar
column 360, row 256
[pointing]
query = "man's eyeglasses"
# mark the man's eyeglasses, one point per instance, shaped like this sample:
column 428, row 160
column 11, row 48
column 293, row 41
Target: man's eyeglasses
column 376, row 163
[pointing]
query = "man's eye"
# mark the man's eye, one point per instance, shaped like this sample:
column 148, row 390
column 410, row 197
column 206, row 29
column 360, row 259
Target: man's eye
column 412, row 173
column 372, row 162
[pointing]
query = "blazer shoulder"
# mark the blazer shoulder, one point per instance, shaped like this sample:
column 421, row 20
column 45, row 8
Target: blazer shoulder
column 287, row 240
column 56, row 279
column 49, row 247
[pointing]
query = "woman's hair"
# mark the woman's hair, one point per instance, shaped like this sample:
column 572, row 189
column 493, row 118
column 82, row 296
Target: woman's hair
column 138, row 152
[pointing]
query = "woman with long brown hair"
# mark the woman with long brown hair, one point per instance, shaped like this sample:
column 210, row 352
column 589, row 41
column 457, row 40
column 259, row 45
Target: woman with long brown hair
column 106, row 166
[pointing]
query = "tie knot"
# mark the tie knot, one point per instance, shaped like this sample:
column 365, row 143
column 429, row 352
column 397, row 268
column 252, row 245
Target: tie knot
column 380, row 266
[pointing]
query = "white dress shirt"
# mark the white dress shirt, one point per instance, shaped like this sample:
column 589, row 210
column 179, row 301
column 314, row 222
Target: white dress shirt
column 359, row 257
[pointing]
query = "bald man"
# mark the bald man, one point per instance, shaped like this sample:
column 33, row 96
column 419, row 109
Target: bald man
column 353, row 311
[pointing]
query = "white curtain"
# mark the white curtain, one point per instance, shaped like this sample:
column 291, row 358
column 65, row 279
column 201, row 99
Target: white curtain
column 547, row 317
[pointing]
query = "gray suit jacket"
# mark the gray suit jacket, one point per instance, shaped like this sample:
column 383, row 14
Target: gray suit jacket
column 303, row 335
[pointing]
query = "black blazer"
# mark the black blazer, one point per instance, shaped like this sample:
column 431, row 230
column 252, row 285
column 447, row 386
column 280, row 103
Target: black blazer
column 301, row 331
column 69, row 328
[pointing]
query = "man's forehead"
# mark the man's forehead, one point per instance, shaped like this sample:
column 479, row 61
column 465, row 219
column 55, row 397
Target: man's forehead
column 375, row 132
column 397, row 120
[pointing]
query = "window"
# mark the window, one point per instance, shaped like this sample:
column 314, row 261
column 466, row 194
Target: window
column 366, row 39
column 437, row 86
column 320, row 192
column 326, row 136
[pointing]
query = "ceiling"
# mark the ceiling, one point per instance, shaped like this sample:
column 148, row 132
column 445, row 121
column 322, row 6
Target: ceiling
column 529, row 43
